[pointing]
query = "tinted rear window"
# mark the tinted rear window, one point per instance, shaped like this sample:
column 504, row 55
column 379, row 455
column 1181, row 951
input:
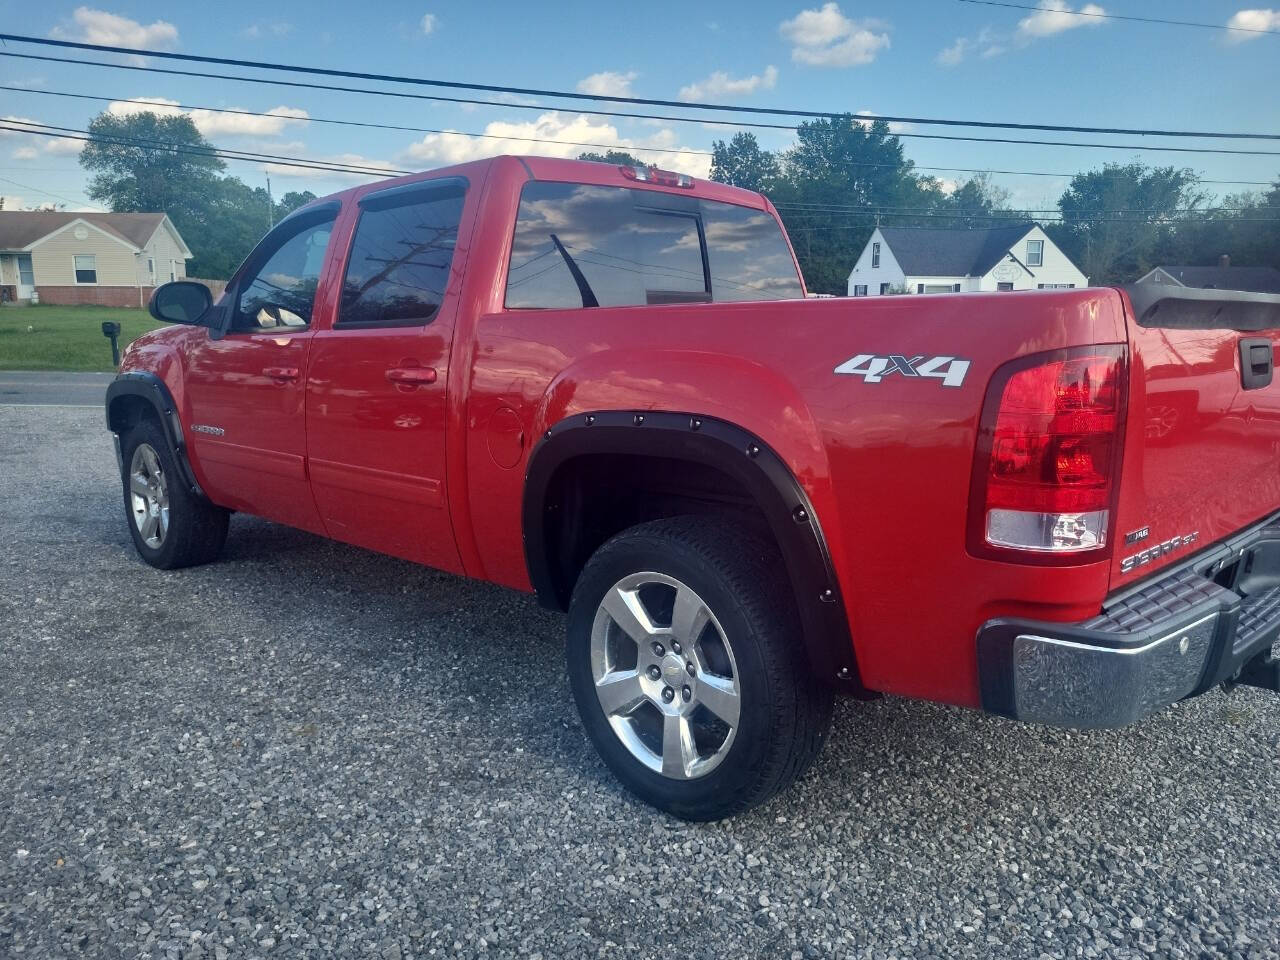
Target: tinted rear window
column 577, row 244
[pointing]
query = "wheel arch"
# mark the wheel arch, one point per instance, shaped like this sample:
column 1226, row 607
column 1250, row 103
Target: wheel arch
column 139, row 393
column 711, row 449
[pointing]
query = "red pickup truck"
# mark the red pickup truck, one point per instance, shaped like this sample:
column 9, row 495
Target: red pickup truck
column 605, row 385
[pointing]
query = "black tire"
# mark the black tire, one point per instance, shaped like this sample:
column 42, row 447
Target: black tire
column 197, row 529
column 785, row 713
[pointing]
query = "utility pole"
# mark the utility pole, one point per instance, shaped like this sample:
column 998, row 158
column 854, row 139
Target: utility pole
column 271, row 205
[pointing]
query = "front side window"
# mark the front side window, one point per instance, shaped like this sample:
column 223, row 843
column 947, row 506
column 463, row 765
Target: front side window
column 400, row 261
column 578, row 245
column 86, row 267
column 280, row 293
column 875, row 255
column 1035, row 253
column 884, row 289
column 860, row 290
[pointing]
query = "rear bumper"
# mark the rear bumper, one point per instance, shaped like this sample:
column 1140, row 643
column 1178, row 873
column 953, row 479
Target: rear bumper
column 1177, row 635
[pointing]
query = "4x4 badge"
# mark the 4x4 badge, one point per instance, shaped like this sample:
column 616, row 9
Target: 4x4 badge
column 872, row 368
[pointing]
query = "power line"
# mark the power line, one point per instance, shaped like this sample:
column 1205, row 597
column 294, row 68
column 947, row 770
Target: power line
column 47, row 193
column 1118, row 16
column 614, row 113
column 70, row 133
column 606, row 98
column 355, row 123
column 606, row 146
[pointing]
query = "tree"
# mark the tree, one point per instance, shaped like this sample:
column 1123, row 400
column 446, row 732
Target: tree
column 619, row 158
column 1116, row 221
column 291, row 201
column 741, row 163
column 145, row 162
column 235, row 218
column 976, row 203
column 837, row 181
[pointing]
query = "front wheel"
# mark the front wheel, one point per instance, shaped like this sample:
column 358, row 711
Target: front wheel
column 686, row 661
column 171, row 525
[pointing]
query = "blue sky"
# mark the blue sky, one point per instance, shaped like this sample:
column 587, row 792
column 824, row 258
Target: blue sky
column 929, row 58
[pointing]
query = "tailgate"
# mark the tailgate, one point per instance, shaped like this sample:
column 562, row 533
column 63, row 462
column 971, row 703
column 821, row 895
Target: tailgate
column 1202, row 453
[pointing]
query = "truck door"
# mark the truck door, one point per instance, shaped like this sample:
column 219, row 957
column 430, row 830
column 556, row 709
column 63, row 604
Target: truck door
column 244, row 390
column 376, row 381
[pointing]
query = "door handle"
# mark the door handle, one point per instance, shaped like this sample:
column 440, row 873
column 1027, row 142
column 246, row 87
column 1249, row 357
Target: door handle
column 411, row 377
column 1257, row 362
column 281, row 374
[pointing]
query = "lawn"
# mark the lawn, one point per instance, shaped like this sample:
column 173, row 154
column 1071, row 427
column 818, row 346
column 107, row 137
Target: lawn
column 65, row 338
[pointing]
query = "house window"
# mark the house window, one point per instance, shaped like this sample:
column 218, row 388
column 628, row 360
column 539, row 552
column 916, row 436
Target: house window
column 1004, row 287
column 1056, row 286
column 884, row 289
column 1035, row 253
column 860, row 290
column 173, row 270
column 86, row 266
column 151, row 266
column 939, row 288
column 875, row 255
column 26, row 275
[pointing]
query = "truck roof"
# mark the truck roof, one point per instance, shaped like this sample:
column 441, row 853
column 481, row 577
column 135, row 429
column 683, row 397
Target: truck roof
column 563, row 170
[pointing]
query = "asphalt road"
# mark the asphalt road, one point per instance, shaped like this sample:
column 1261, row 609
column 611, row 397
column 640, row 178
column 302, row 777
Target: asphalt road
column 44, row 388
column 309, row 750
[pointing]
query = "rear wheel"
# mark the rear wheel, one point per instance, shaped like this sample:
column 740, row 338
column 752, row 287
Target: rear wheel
column 171, row 525
column 686, row 662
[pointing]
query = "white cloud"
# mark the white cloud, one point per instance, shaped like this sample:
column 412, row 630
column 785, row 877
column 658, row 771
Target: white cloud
column 827, row 38
column 9, row 201
column 212, row 123
column 954, row 54
column 439, row 149
column 257, row 31
column 607, row 83
column 1056, row 16
column 25, row 153
column 350, row 159
column 1246, row 20
column 428, row 24
column 97, row 26
column 720, row 84
column 894, row 125
column 33, row 143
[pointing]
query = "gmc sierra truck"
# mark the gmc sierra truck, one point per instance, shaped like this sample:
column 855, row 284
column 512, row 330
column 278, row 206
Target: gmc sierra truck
column 604, row 385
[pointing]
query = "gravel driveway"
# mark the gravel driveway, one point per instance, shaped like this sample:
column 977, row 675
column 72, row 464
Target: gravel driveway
column 307, row 749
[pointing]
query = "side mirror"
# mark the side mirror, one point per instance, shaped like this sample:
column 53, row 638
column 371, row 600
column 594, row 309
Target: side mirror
column 181, row 301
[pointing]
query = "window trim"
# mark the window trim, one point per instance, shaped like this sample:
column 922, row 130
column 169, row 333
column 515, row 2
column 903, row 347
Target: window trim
column 859, row 286
column 884, row 289
column 659, row 202
column 875, row 255
column 1038, row 261
column 75, row 270
column 391, row 198
column 299, row 220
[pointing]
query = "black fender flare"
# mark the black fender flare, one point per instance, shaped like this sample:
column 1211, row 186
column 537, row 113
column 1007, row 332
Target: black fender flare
column 153, row 392
column 732, row 450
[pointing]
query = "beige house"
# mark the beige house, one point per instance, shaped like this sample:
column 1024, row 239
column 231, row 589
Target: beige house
column 108, row 259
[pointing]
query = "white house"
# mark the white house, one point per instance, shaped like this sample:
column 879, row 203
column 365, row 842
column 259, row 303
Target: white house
column 911, row 260
column 107, row 259
column 1222, row 277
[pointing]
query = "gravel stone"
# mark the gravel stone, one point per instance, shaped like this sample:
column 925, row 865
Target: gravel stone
column 308, row 750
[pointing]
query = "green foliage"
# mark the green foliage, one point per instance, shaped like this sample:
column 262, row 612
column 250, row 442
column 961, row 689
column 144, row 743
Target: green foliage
column 1117, row 221
column 291, row 201
column 742, row 163
column 619, row 158
column 150, row 174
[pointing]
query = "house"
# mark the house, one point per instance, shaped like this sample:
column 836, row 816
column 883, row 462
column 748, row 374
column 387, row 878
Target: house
column 1222, row 277
column 108, row 259
column 913, row 260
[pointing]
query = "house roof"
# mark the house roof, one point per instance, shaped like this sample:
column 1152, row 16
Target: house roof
column 21, row 228
column 928, row 252
column 1253, row 279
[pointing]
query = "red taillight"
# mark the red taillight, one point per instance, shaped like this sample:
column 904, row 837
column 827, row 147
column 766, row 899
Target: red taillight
column 663, row 178
column 1049, row 452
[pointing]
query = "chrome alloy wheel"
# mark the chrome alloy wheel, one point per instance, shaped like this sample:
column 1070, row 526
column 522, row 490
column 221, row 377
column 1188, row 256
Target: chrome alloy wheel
column 148, row 496
column 665, row 675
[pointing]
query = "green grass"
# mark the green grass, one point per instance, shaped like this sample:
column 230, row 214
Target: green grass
column 65, row 338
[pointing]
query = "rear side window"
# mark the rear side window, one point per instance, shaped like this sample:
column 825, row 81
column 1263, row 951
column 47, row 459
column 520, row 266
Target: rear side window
column 400, row 259
column 577, row 245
